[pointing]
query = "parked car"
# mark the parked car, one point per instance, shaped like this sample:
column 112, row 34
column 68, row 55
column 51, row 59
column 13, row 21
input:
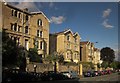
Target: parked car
column 96, row 73
column 105, row 72
column 99, row 73
column 89, row 74
column 108, row 71
column 13, row 75
column 51, row 75
column 102, row 72
column 71, row 74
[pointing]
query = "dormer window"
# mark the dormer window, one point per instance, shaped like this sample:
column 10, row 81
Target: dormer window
column 75, row 39
column 39, row 22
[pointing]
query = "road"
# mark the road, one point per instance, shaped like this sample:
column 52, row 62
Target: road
column 109, row 77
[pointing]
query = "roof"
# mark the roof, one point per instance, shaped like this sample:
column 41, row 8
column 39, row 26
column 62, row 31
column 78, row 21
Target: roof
column 63, row 32
column 84, row 42
column 96, row 49
column 66, row 31
column 22, row 10
column 40, row 12
column 27, row 12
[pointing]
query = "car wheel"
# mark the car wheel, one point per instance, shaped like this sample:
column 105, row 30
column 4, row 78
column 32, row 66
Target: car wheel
column 8, row 79
column 50, row 78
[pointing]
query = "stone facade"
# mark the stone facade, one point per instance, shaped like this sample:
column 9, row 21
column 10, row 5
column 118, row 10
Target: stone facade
column 87, row 51
column 29, row 29
column 96, row 56
column 66, row 43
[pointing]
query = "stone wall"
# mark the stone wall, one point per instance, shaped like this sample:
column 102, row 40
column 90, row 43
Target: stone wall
column 41, row 67
column 62, row 68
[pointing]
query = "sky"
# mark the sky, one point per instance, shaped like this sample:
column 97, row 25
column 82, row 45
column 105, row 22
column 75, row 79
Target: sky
column 94, row 21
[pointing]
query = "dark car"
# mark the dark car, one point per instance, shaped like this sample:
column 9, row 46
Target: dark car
column 108, row 71
column 102, row 72
column 17, row 75
column 51, row 75
column 99, row 73
column 105, row 72
column 89, row 74
column 96, row 73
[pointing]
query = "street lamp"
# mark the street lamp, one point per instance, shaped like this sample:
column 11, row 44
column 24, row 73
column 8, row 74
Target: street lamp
column 81, row 53
column 35, row 66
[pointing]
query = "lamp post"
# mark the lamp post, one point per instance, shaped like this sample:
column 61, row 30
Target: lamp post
column 94, row 58
column 35, row 66
column 81, row 53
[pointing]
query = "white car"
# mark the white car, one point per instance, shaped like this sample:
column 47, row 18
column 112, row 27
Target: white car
column 71, row 74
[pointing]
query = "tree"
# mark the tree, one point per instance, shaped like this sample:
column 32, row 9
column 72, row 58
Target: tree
column 114, row 65
column 107, row 54
column 33, row 54
column 104, row 64
column 53, row 58
column 98, row 65
column 12, row 53
column 61, row 59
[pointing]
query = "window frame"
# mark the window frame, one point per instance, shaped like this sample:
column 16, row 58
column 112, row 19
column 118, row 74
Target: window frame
column 41, row 45
column 15, row 27
column 26, row 17
column 26, row 30
column 15, row 13
column 12, row 13
column 39, row 22
column 39, row 33
column 19, row 15
column 68, row 37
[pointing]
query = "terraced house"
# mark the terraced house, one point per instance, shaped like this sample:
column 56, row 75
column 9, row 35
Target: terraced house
column 66, row 43
column 29, row 29
column 96, row 56
column 87, row 51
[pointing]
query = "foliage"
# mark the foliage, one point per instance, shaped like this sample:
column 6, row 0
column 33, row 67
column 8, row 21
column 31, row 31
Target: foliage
column 107, row 54
column 12, row 53
column 70, row 63
column 118, row 66
column 98, row 65
column 104, row 64
column 115, row 65
column 55, row 57
column 33, row 55
column 61, row 59
column 52, row 58
column 87, row 65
